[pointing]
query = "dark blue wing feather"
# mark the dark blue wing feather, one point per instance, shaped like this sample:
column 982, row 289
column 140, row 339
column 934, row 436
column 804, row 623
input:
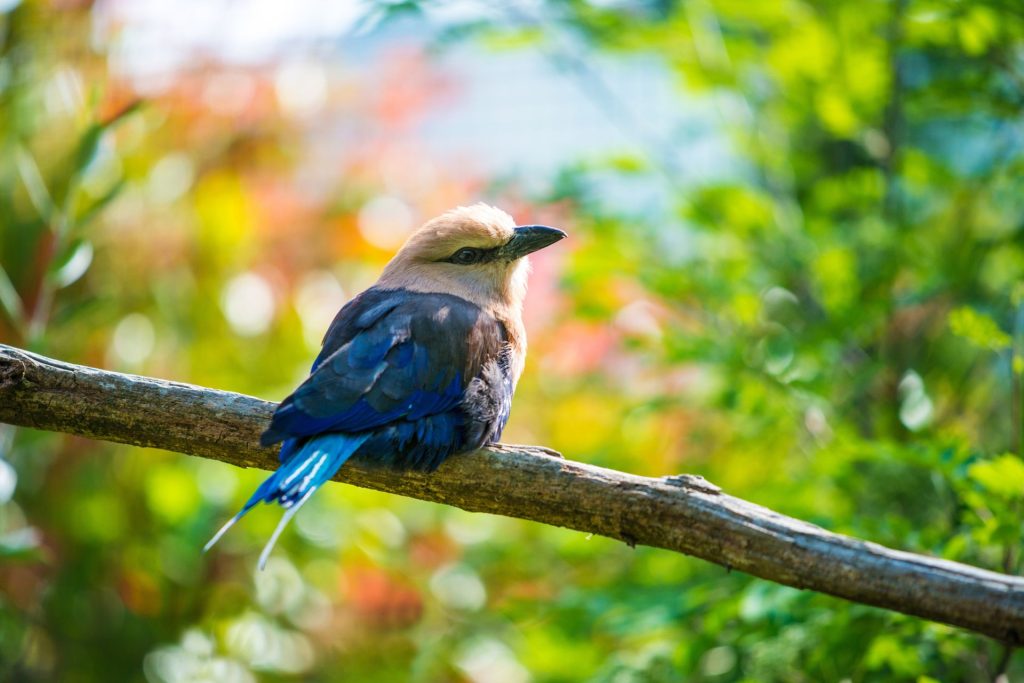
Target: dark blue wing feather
column 391, row 356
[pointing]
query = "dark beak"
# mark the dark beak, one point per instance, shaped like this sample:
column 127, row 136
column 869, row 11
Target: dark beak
column 528, row 239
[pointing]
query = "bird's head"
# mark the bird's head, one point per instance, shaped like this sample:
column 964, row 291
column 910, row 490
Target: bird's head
column 475, row 252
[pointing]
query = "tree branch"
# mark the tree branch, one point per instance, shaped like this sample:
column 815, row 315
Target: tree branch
column 681, row 513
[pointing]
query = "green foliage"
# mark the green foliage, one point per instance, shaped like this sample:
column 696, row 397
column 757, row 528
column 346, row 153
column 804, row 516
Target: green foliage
column 833, row 329
column 978, row 329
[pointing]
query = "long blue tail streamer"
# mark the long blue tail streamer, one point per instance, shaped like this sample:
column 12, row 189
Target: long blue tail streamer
column 296, row 480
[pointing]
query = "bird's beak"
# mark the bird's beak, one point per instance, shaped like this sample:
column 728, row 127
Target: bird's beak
column 528, row 239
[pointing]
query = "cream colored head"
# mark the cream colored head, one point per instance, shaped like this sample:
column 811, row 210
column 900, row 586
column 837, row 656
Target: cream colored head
column 474, row 252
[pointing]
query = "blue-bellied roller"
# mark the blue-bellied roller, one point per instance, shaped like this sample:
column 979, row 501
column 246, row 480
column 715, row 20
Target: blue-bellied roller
column 419, row 366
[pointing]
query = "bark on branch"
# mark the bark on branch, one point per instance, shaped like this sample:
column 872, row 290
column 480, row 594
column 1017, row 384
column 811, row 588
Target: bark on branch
column 682, row 513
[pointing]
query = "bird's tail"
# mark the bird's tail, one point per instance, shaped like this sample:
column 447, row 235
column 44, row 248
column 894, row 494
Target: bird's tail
column 296, row 480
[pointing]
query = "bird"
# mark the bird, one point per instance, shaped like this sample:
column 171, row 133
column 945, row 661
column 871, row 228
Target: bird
column 420, row 366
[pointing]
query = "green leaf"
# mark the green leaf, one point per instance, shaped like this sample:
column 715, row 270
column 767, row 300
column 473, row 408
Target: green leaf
column 10, row 300
column 628, row 163
column 978, row 329
column 89, row 143
column 88, row 146
column 97, row 207
column 1003, row 476
column 74, row 264
column 28, row 170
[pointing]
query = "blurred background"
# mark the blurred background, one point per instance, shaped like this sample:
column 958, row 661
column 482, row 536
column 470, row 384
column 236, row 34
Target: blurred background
column 796, row 267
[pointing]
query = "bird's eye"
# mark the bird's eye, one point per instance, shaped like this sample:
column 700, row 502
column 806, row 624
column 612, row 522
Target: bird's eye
column 466, row 256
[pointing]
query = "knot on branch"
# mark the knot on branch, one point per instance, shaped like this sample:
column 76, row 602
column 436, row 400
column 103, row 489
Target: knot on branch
column 12, row 370
column 692, row 481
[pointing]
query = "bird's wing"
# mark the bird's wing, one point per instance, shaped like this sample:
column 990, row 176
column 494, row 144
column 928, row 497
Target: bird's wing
column 390, row 355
